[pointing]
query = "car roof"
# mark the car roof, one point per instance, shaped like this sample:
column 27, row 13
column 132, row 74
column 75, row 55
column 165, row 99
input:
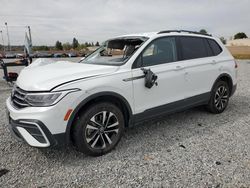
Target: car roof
column 167, row 33
column 147, row 34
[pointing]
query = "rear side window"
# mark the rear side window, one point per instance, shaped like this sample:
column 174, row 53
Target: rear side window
column 214, row 46
column 193, row 47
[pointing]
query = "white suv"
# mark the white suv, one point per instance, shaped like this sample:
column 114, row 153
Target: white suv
column 127, row 80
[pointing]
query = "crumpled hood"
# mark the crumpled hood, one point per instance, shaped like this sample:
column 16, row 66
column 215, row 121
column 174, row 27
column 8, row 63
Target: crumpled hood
column 45, row 77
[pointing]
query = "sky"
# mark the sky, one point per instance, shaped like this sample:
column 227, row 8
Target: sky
column 98, row 20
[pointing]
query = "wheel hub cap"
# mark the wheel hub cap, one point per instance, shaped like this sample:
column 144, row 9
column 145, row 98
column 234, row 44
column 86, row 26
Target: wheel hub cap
column 101, row 129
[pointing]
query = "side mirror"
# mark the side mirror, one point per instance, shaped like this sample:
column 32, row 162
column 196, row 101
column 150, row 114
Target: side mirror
column 82, row 58
column 150, row 78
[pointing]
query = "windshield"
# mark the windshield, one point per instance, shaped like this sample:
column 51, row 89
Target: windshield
column 115, row 51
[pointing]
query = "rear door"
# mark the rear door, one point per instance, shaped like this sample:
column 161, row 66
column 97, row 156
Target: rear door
column 200, row 65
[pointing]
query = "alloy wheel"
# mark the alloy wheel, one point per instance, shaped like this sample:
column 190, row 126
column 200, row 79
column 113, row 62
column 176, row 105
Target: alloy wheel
column 102, row 130
column 221, row 97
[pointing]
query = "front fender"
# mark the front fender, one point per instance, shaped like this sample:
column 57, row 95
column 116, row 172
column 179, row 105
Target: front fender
column 88, row 99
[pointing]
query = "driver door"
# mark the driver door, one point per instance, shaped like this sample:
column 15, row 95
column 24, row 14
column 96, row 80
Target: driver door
column 161, row 57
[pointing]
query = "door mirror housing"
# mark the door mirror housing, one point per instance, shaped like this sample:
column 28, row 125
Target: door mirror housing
column 150, row 78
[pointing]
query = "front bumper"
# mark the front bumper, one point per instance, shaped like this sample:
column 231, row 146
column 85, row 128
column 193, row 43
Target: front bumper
column 35, row 133
column 39, row 127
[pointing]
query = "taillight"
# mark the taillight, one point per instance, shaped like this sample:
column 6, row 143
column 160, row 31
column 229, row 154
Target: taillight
column 235, row 64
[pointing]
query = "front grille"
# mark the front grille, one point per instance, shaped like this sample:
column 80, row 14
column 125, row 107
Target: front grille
column 18, row 98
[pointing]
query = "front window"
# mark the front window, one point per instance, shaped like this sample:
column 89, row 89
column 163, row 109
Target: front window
column 162, row 50
column 115, row 52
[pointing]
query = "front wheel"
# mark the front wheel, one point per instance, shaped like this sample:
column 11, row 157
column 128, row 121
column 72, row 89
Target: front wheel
column 219, row 97
column 98, row 129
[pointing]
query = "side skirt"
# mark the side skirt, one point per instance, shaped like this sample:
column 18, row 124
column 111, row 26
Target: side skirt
column 171, row 108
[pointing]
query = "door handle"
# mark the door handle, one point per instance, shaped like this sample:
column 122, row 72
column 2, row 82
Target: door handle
column 213, row 62
column 178, row 67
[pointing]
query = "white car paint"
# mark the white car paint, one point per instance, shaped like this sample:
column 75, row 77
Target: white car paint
column 176, row 81
column 46, row 77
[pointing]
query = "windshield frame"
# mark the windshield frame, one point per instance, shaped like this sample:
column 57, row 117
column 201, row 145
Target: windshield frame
column 104, row 44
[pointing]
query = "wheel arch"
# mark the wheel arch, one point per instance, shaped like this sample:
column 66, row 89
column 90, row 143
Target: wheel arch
column 227, row 78
column 112, row 97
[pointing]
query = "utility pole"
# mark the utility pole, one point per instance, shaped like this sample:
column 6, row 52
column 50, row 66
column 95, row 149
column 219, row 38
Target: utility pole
column 8, row 36
column 30, row 35
column 2, row 40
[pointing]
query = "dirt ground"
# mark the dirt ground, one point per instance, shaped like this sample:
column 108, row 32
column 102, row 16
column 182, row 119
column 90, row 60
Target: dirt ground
column 240, row 52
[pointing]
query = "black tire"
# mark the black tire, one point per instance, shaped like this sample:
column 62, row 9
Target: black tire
column 219, row 97
column 94, row 137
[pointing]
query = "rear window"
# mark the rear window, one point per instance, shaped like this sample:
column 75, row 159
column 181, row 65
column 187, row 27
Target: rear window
column 193, row 47
column 214, row 46
column 209, row 49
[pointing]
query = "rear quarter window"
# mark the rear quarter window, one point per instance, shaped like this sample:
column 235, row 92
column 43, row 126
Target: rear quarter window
column 215, row 47
column 209, row 49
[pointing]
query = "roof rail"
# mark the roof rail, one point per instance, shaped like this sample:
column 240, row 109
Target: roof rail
column 185, row 31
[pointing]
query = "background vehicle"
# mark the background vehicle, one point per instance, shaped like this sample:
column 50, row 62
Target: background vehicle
column 19, row 55
column 60, row 55
column 72, row 54
column 10, row 55
column 126, row 81
column 42, row 55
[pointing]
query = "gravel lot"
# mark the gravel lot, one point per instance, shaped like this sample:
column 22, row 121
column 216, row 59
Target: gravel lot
column 189, row 149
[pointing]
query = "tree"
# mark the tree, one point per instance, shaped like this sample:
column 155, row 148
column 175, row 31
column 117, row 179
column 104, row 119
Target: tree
column 223, row 40
column 87, row 44
column 40, row 48
column 97, row 44
column 67, row 46
column 45, row 48
column 203, row 31
column 75, row 43
column 58, row 45
column 240, row 35
column 92, row 44
column 81, row 47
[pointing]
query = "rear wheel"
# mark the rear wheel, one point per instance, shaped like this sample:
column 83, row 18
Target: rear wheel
column 98, row 129
column 219, row 97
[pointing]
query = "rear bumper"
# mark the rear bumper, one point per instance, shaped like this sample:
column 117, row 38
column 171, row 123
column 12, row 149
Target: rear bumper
column 35, row 133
